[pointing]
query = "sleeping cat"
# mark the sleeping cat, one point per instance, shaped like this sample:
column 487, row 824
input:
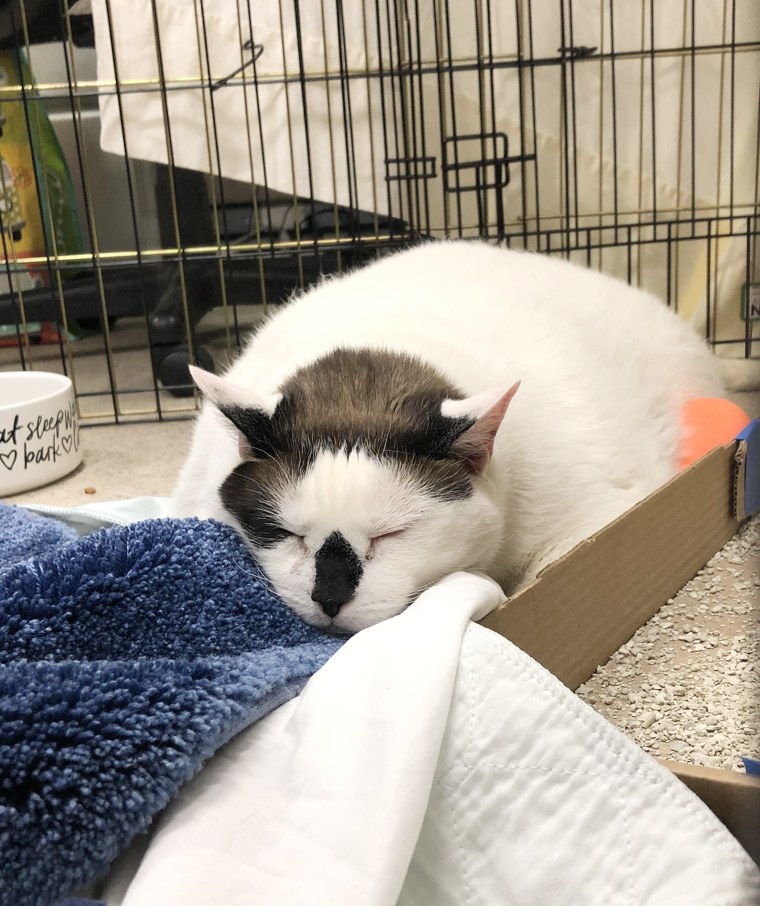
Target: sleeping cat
column 453, row 406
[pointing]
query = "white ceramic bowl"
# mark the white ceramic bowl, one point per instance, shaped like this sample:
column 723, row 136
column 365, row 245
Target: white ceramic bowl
column 39, row 430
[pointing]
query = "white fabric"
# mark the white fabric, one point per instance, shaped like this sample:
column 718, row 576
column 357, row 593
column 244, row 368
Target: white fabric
column 265, row 134
column 234, row 130
column 409, row 771
column 91, row 516
column 537, row 800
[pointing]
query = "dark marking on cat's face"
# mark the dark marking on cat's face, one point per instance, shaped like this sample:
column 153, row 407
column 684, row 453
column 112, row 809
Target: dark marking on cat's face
column 256, row 426
column 385, row 403
column 250, row 493
column 337, row 574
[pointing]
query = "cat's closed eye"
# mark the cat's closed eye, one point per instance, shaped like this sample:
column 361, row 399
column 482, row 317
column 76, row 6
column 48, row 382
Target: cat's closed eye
column 383, row 535
column 300, row 540
column 381, row 538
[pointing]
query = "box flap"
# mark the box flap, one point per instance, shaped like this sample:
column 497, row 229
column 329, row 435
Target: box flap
column 732, row 797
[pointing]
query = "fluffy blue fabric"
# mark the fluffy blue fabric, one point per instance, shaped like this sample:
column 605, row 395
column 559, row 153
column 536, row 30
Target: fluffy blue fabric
column 126, row 659
column 22, row 534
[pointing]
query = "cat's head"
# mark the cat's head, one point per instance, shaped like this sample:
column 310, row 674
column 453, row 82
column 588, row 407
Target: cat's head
column 362, row 482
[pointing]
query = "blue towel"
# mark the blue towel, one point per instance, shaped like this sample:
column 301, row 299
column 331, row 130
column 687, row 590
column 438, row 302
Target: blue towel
column 23, row 535
column 127, row 658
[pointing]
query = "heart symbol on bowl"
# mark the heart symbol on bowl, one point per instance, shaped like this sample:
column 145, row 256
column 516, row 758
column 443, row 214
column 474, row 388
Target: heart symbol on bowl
column 9, row 459
column 66, row 444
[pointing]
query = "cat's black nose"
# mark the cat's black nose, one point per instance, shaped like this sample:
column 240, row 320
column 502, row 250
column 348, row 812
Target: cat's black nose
column 337, row 573
column 327, row 602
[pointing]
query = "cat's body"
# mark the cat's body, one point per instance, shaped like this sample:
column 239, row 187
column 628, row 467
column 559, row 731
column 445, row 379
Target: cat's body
column 593, row 428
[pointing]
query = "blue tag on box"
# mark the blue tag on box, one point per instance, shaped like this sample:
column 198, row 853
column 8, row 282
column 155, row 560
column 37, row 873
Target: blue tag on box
column 751, row 437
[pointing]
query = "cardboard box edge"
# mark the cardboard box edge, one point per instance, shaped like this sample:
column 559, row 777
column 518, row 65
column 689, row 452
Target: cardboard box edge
column 733, row 798
column 514, row 618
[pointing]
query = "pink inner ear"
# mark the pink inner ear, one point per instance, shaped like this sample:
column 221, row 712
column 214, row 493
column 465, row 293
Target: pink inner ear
column 475, row 445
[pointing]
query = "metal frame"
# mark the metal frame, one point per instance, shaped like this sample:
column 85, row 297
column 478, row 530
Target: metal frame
column 493, row 174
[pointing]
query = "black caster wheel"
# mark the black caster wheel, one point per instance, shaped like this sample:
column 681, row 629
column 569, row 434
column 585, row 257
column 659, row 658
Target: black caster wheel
column 173, row 372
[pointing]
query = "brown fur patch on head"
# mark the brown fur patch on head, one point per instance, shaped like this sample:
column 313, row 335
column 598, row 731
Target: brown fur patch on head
column 386, row 403
column 363, row 396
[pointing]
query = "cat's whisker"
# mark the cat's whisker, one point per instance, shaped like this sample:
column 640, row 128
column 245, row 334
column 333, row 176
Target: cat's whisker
column 260, row 577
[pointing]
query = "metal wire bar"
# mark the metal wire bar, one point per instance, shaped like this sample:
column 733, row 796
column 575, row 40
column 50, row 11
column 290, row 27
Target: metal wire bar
column 399, row 120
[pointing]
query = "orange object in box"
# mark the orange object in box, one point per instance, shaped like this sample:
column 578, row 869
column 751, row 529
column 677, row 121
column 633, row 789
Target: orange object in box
column 708, row 423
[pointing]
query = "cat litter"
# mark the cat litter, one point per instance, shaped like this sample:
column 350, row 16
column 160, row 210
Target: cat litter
column 686, row 687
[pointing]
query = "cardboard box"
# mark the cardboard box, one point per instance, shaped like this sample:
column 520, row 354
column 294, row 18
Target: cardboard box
column 583, row 607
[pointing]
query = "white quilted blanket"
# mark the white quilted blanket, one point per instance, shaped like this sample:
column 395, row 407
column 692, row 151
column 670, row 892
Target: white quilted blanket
column 430, row 762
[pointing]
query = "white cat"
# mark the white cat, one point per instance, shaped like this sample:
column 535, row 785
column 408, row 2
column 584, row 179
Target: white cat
column 358, row 445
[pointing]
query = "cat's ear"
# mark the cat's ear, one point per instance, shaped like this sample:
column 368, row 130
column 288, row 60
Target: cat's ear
column 481, row 417
column 224, row 392
column 248, row 411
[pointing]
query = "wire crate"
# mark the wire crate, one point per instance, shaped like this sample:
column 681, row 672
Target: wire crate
column 190, row 165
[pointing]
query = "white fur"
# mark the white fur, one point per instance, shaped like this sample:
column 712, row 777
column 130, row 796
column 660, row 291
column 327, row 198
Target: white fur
column 593, row 428
column 472, row 406
column 223, row 391
column 366, row 500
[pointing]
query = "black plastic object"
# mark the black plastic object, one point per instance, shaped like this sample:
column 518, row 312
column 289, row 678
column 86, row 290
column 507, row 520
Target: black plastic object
column 45, row 20
column 173, row 372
